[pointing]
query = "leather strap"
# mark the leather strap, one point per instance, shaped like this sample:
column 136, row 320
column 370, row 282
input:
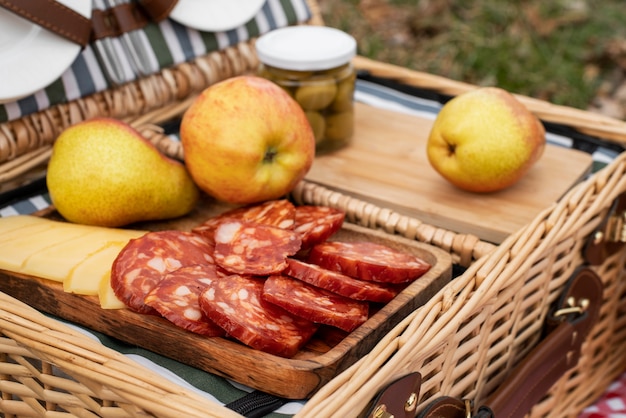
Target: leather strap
column 397, row 400
column 566, row 328
column 610, row 236
column 54, row 17
column 117, row 20
column 158, row 9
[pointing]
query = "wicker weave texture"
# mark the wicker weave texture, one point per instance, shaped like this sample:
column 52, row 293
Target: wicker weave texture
column 470, row 335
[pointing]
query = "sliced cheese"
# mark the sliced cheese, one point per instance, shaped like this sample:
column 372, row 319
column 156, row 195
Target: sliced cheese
column 57, row 261
column 107, row 297
column 86, row 275
column 13, row 227
column 14, row 253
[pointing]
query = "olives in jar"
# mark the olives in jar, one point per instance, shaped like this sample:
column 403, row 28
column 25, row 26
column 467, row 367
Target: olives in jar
column 313, row 64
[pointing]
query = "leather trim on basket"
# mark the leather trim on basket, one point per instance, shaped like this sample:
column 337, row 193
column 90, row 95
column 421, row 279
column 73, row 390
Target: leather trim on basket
column 158, row 9
column 54, row 17
column 398, row 399
column 566, row 328
column 115, row 21
column 607, row 238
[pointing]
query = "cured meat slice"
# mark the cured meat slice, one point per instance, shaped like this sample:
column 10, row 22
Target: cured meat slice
column 176, row 298
column 278, row 213
column 368, row 261
column 316, row 224
column 315, row 304
column 249, row 248
column 236, row 304
column 145, row 261
column 340, row 283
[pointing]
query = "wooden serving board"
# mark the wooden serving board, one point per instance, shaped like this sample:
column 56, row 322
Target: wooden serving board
column 327, row 354
column 386, row 164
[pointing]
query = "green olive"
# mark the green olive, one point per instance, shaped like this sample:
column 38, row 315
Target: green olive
column 286, row 75
column 345, row 93
column 337, row 72
column 318, row 124
column 316, row 96
column 339, row 126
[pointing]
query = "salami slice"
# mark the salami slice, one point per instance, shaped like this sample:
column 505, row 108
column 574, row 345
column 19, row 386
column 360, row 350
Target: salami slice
column 236, row 304
column 315, row 304
column 176, row 298
column 368, row 261
column 316, row 224
column 278, row 213
column 249, row 248
column 144, row 261
column 340, row 283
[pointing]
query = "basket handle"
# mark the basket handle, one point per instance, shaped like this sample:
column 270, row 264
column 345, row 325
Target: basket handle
column 566, row 328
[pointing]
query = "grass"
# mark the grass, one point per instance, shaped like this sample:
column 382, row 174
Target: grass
column 561, row 50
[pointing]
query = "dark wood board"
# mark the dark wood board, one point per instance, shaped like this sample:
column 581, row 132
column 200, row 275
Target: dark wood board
column 327, row 354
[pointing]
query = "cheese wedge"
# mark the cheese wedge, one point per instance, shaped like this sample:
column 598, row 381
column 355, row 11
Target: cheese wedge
column 55, row 262
column 13, row 227
column 85, row 277
column 79, row 256
column 106, row 296
column 14, row 253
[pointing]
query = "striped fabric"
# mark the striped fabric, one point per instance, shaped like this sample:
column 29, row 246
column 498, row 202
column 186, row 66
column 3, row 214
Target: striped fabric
column 162, row 45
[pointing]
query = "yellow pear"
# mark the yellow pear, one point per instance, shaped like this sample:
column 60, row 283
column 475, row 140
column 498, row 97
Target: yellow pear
column 103, row 172
column 485, row 140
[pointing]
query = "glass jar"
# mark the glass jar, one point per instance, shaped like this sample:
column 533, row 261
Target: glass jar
column 314, row 65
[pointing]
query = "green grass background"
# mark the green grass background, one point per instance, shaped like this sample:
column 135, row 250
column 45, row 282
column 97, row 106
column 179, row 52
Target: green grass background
column 558, row 50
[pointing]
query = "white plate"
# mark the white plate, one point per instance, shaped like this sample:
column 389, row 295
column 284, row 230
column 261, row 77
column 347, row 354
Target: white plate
column 215, row 15
column 32, row 57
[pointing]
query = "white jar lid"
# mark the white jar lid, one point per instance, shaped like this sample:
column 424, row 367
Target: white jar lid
column 306, row 48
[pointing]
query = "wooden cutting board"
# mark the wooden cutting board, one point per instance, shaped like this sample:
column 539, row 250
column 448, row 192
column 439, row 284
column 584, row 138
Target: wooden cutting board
column 386, row 164
column 327, row 354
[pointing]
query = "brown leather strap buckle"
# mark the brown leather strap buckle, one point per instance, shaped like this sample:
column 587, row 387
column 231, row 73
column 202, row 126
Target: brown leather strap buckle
column 398, row 399
column 566, row 328
column 54, row 17
column 610, row 236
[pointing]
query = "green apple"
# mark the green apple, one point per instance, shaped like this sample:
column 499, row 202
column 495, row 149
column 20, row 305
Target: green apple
column 103, row 172
column 485, row 140
column 245, row 140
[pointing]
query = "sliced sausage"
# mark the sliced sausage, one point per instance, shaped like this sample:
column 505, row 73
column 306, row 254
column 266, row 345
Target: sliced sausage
column 278, row 213
column 236, row 304
column 368, row 261
column 315, row 304
column 176, row 298
column 145, row 261
column 249, row 248
column 340, row 283
column 316, row 224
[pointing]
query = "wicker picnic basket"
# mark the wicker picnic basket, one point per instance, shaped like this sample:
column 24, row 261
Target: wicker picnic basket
column 464, row 341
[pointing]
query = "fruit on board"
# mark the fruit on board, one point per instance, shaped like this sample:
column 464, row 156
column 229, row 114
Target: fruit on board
column 245, row 140
column 485, row 140
column 103, row 172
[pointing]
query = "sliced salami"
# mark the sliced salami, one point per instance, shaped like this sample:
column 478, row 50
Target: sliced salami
column 249, row 248
column 316, row 224
column 176, row 298
column 368, row 261
column 340, row 283
column 236, row 304
column 315, row 304
column 278, row 213
column 145, row 261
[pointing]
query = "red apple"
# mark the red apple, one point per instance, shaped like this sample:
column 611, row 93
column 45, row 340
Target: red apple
column 245, row 140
